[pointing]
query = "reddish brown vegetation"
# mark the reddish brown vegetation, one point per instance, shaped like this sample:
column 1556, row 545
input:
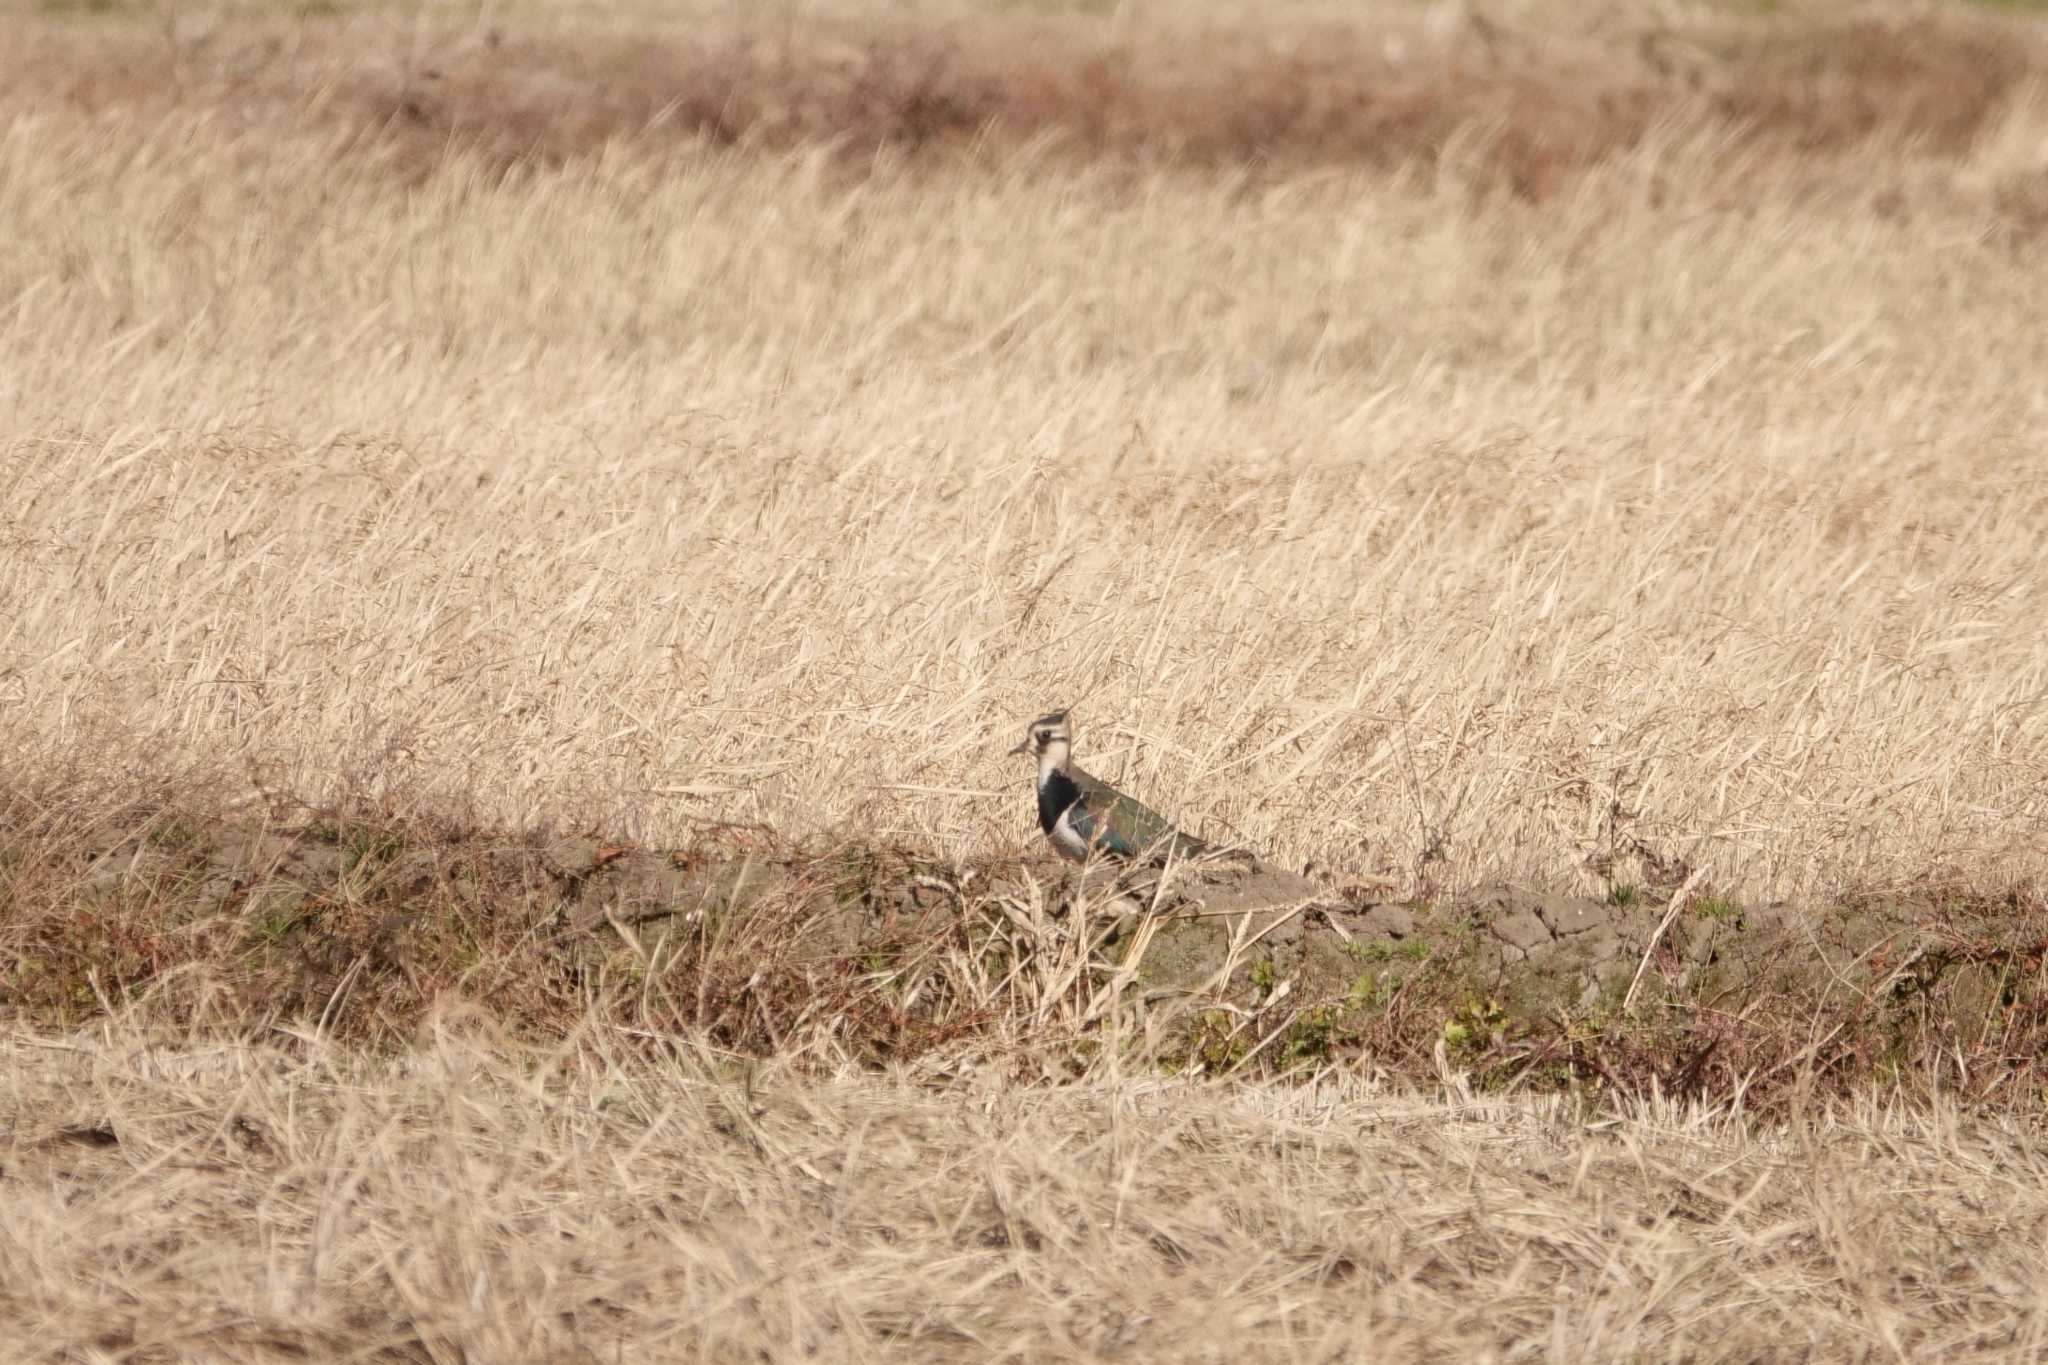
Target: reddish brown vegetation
column 1531, row 107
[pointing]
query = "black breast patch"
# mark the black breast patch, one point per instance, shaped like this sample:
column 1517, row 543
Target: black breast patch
column 1055, row 795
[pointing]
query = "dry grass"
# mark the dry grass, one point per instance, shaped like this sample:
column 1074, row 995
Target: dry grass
column 1372, row 515
column 595, row 1202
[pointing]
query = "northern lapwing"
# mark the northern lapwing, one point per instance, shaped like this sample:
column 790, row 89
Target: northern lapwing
column 1080, row 813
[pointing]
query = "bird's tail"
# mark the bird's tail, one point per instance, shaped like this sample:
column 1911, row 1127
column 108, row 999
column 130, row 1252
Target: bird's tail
column 1178, row 847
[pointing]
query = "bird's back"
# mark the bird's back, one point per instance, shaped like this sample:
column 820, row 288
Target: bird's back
column 1122, row 824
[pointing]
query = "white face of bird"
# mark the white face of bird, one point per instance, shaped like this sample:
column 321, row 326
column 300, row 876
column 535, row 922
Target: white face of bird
column 1047, row 739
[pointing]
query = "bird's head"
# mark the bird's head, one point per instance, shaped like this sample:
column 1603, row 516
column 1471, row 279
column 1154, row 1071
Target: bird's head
column 1047, row 739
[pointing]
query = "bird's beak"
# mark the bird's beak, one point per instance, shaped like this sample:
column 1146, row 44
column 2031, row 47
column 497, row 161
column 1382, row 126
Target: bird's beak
column 1023, row 747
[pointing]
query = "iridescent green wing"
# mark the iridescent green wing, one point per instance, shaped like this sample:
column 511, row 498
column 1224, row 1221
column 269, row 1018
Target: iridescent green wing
column 1124, row 825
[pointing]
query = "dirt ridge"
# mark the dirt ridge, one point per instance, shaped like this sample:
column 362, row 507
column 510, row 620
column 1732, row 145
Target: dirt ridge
column 883, row 954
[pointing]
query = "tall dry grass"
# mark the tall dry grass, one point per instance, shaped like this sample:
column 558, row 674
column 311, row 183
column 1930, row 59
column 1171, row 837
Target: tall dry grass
column 256, row 1203
column 1380, row 517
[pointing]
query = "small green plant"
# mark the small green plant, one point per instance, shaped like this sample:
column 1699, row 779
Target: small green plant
column 364, row 849
column 1309, row 1040
column 1374, row 990
column 1214, row 1044
column 1264, row 977
column 1381, row 950
column 1621, row 896
column 1475, row 1026
column 274, row 926
column 1713, row 907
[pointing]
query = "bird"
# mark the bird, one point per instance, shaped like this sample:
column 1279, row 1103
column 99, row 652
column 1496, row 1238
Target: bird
column 1080, row 813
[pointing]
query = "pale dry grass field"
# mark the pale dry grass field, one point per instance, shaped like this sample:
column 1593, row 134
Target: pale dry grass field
column 1383, row 518
column 474, row 1202
column 1620, row 452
